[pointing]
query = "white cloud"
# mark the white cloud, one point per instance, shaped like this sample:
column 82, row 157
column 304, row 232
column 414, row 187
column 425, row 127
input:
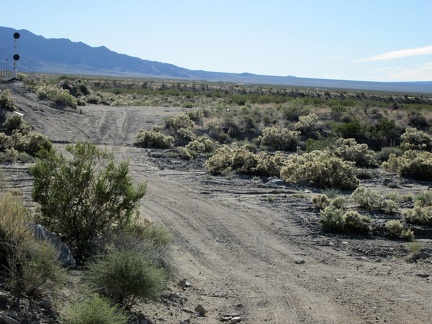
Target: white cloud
column 426, row 50
column 421, row 73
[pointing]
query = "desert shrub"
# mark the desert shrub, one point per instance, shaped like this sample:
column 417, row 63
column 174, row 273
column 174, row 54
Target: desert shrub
column 423, row 199
column 13, row 121
column 407, row 234
column 280, row 138
column 177, row 122
column 320, row 201
column 414, row 139
column 9, row 155
column 30, row 142
column 185, row 153
column 384, row 154
column 30, row 264
column 319, row 169
column 95, row 310
column 61, row 97
column 309, row 125
column 337, row 202
column 269, row 164
column 367, row 198
column 294, row 109
column 85, row 197
column 5, row 142
column 146, row 138
column 418, row 215
column 389, row 206
column 321, row 143
column 352, row 129
column 417, row 120
column 185, row 134
column 6, row 101
column 394, row 227
column 125, row 276
column 349, row 150
column 413, row 164
column 340, row 221
column 202, row 144
column 235, row 158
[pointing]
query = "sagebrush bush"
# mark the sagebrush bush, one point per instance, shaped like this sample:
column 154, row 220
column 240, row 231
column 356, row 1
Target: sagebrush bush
column 418, row 215
column 414, row 139
column 349, row 150
column 203, row 144
column 269, row 165
column 423, row 199
column 340, row 221
column 319, row 169
column 412, row 164
column 320, row 201
column 280, row 138
column 180, row 121
column 394, row 227
column 309, row 125
column 236, row 158
column 13, row 122
column 30, row 142
column 61, row 97
column 125, row 276
column 367, row 198
column 146, row 138
column 95, row 310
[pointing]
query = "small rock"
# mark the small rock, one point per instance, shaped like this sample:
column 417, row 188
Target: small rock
column 47, row 304
column 300, row 261
column 423, row 275
column 236, row 319
column 201, row 310
column 184, row 284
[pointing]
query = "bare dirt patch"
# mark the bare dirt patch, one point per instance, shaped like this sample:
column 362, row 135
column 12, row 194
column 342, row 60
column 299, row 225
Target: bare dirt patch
column 248, row 247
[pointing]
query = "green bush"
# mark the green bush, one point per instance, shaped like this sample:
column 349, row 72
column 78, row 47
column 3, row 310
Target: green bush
column 125, row 276
column 202, row 144
column 30, row 143
column 414, row 139
column 418, row 215
column 280, row 138
column 319, row 169
column 232, row 158
column 384, row 154
column 95, row 310
column 177, row 122
column 85, row 197
column 423, row 199
column 349, row 150
column 394, row 227
column 309, row 125
column 13, row 122
column 340, row 221
column 412, row 164
column 146, row 138
column 320, row 201
column 6, row 101
column 269, row 165
column 367, row 198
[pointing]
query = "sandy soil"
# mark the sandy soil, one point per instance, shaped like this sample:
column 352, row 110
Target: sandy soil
column 248, row 247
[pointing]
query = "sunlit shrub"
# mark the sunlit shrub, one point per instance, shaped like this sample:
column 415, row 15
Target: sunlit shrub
column 227, row 158
column 414, row 139
column 340, row 221
column 418, row 215
column 320, row 201
column 348, row 149
column 309, row 125
column 423, row 199
column 180, row 121
column 270, row 164
column 384, row 154
column 394, row 227
column 6, row 101
column 203, row 144
column 146, row 138
column 367, row 198
column 319, row 169
column 412, row 164
column 280, row 138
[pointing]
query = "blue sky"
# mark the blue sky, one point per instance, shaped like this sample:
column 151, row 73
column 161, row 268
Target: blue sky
column 371, row 40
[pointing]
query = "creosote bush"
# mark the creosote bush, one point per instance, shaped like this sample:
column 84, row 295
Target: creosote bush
column 367, row 198
column 84, row 198
column 6, row 101
column 319, row 169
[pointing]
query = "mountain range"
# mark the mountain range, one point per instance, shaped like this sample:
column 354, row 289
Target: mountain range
column 62, row 56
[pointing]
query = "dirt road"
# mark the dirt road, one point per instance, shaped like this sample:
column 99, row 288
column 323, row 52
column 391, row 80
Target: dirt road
column 244, row 253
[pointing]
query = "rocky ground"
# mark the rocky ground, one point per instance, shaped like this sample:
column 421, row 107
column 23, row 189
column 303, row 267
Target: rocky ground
column 246, row 249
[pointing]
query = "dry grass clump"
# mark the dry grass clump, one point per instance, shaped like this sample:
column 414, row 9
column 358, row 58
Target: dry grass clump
column 340, row 221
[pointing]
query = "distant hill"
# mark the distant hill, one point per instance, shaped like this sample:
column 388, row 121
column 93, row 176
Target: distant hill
column 39, row 54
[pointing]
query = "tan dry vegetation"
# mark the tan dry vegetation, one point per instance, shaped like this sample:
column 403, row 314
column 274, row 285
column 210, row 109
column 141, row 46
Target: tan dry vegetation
column 266, row 261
